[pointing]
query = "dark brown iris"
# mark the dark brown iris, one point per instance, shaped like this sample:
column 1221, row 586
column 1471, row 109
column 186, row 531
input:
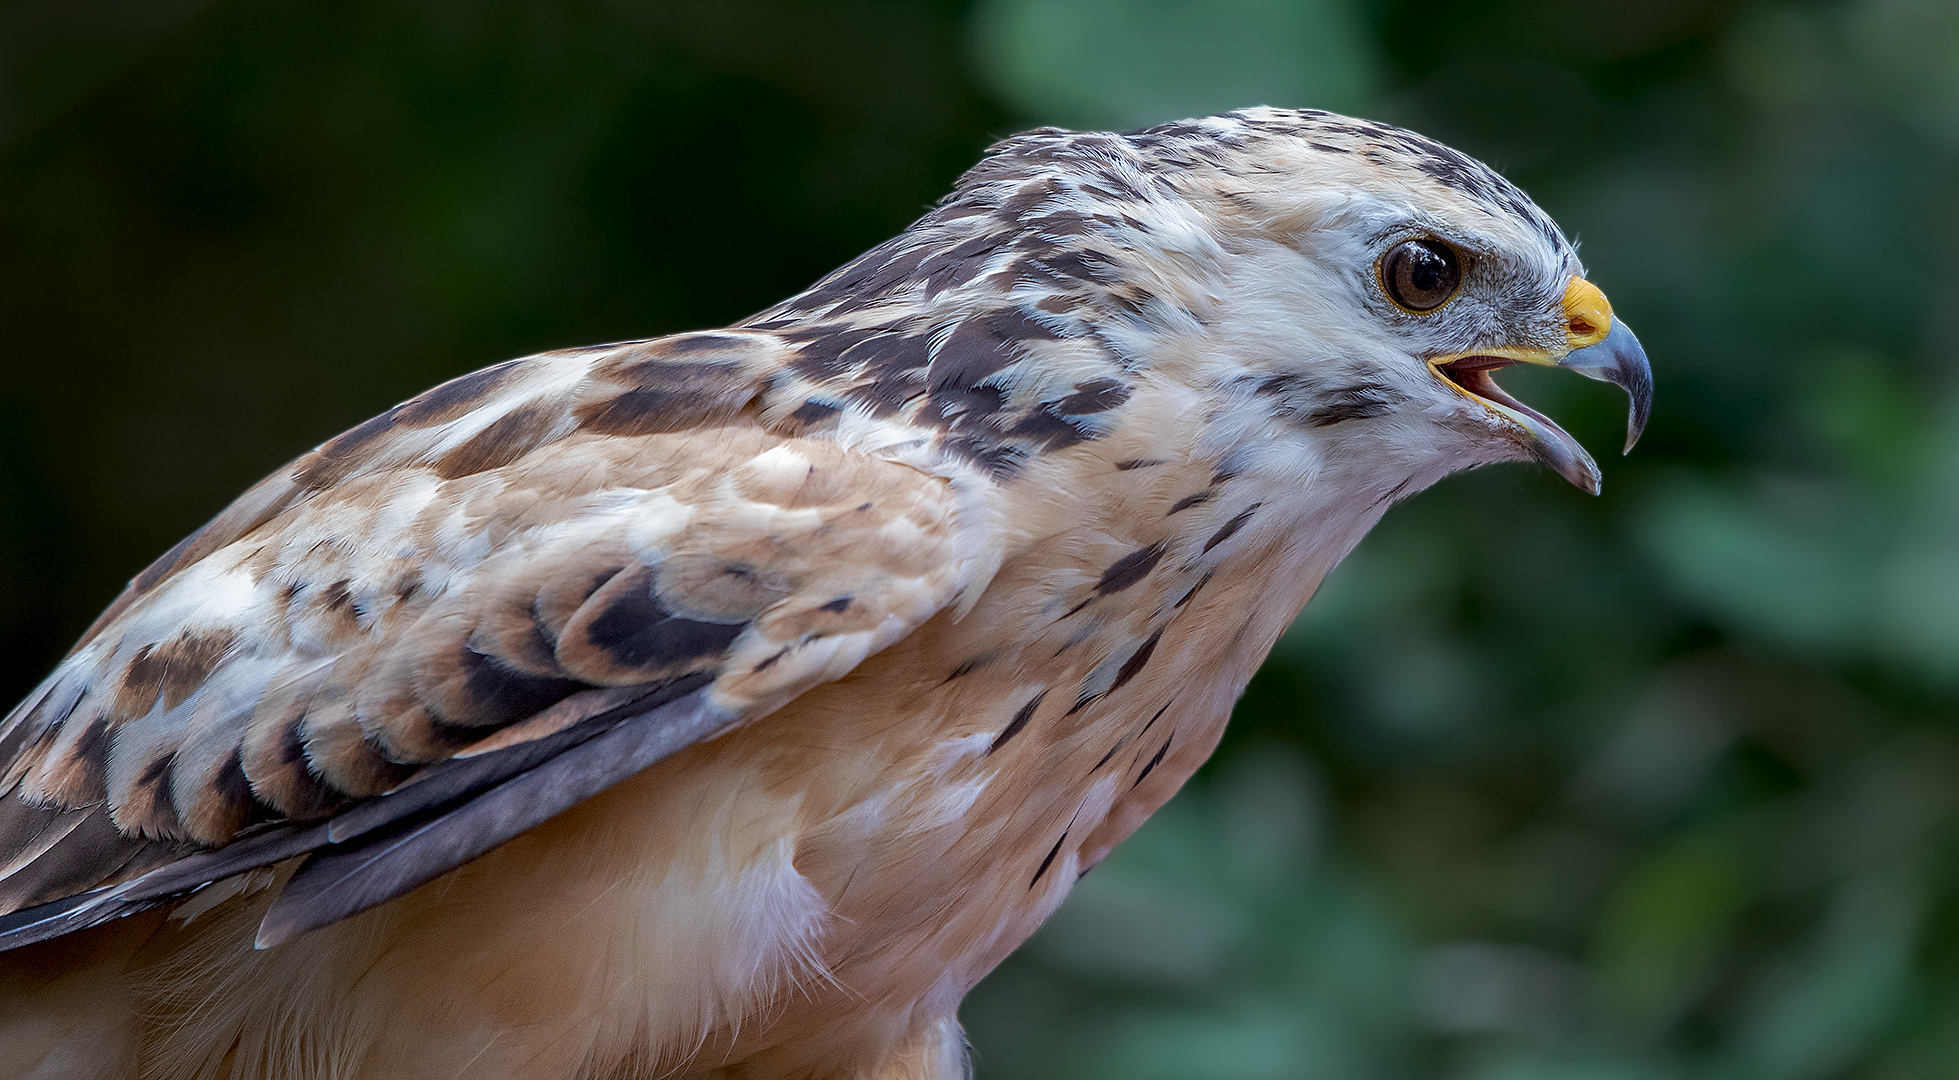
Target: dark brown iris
column 1421, row 274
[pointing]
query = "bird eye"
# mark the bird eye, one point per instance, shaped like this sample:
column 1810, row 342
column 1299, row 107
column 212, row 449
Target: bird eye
column 1420, row 274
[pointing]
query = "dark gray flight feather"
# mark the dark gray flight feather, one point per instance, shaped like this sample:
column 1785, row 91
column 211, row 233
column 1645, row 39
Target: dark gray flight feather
column 345, row 879
column 394, row 842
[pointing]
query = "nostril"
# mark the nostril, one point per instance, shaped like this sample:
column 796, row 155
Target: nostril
column 1588, row 317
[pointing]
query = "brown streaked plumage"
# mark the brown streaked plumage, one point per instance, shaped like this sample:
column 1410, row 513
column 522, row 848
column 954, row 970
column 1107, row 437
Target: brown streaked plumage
column 729, row 704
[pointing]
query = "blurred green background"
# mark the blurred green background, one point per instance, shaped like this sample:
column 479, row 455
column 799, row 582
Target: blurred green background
column 1657, row 785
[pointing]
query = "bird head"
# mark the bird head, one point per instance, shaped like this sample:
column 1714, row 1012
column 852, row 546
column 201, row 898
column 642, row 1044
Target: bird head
column 1393, row 276
column 1322, row 291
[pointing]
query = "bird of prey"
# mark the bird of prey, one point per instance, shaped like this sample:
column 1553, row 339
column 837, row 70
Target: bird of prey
column 728, row 704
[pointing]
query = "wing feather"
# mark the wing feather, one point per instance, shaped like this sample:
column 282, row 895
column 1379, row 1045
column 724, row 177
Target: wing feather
column 342, row 880
column 455, row 621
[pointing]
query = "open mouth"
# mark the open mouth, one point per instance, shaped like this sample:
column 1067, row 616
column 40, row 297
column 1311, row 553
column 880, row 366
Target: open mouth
column 1537, row 432
column 1598, row 346
column 1472, row 375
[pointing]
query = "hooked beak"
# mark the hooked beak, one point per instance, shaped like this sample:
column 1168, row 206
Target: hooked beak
column 1598, row 346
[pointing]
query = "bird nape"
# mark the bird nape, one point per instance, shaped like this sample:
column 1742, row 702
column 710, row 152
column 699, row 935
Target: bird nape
column 730, row 703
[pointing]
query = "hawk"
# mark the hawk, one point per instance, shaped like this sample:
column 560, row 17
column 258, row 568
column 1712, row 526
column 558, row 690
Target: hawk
column 728, row 704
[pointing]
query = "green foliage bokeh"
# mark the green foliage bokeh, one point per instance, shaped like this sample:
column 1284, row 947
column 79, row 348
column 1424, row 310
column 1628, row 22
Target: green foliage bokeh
column 1657, row 785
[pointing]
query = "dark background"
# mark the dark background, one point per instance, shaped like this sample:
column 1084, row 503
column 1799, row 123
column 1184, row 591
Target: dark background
column 1656, row 785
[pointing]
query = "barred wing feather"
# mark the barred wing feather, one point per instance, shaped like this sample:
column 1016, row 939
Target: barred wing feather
column 455, row 621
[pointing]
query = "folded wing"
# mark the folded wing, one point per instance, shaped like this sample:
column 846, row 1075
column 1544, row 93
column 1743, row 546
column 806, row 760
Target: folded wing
column 455, row 621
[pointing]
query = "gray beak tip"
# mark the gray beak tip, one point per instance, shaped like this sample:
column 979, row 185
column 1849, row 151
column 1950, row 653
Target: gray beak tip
column 1621, row 361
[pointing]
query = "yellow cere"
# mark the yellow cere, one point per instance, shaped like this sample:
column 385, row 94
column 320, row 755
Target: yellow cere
column 1588, row 312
